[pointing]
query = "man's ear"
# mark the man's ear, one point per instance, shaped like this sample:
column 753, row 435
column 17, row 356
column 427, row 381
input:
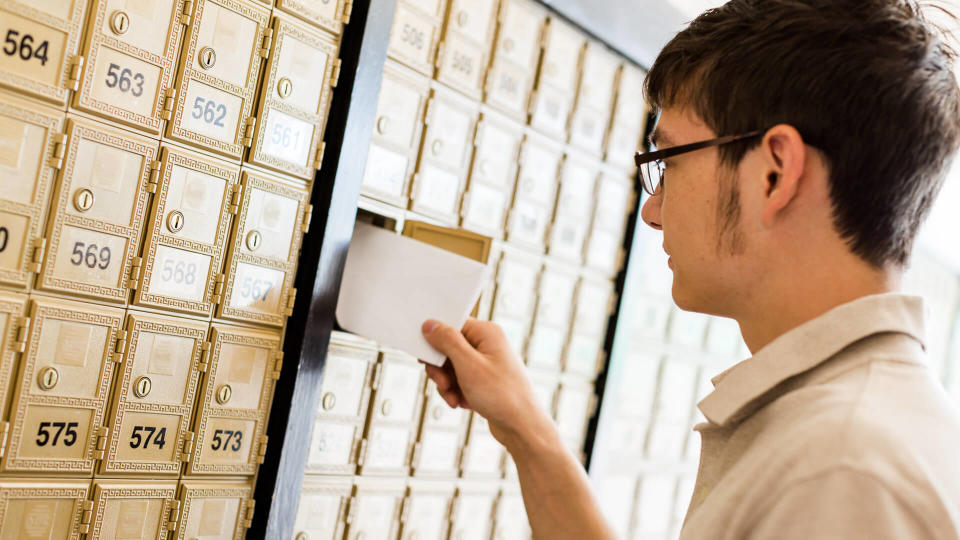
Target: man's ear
column 784, row 155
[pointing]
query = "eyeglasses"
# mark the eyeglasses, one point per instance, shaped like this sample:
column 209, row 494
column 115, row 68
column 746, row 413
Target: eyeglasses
column 651, row 163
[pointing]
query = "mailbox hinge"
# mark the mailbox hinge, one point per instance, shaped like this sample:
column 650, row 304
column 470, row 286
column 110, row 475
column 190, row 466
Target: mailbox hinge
column 265, row 44
column 362, row 454
column 86, row 516
column 136, row 264
column 59, row 150
column 307, row 217
column 4, row 431
column 290, row 300
column 23, row 333
column 185, row 14
column 347, row 11
column 248, row 513
column 39, row 249
column 169, row 98
column 415, row 458
column 441, row 50
column 277, row 365
column 76, row 72
column 376, row 376
column 174, row 515
column 248, row 127
column 234, row 205
column 120, row 346
column 262, row 448
column 101, row 445
column 335, row 76
column 154, row 176
column 318, row 157
column 187, row 449
column 217, row 296
column 204, row 363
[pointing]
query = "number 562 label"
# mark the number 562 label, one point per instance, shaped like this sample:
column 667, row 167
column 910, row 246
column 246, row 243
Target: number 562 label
column 211, row 112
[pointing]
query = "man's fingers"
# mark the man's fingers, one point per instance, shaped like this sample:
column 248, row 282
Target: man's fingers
column 477, row 331
column 447, row 340
column 440, row 376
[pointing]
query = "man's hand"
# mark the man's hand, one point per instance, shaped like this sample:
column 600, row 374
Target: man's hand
column 484, row 374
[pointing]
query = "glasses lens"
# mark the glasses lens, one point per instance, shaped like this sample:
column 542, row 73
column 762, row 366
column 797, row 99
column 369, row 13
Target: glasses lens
column 650, row 176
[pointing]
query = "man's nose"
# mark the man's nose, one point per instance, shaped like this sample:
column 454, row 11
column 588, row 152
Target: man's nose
column 650, row 212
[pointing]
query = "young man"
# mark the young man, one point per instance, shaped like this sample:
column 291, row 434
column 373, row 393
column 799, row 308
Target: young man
column 827, row 127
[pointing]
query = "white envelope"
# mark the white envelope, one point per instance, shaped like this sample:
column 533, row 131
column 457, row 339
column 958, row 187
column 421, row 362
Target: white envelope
column 392, row 284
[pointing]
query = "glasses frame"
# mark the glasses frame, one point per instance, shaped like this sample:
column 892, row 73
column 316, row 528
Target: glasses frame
column 645, row 158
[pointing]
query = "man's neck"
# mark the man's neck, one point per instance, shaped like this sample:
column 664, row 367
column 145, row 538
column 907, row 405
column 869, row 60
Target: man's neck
column 797, row 298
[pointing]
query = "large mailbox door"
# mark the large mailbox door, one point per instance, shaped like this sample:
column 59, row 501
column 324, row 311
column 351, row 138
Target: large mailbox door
column 97, row 218
column 426, row 510
column 330, row 15
column 12, row 341
column 31, row 151
column 414, row 38
column 375, row 509
column 154, row 396
column 63, row 387
column 215, row 510
column 40, row 46
column 322, row 512
column 218, row 75
column 187, row 233
column 31, row 509
column 131, row 53
column 294, row 100
column 263, row 257
column 235, row 400
column 134, row 510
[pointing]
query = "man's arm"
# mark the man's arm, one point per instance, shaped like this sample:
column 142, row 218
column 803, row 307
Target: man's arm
column 485, row 375
column 838, row 503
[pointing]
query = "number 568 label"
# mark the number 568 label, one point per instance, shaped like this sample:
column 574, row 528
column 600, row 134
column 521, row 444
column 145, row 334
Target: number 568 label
column 179, row 274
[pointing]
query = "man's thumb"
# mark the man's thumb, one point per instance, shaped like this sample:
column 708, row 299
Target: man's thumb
column 448, row 340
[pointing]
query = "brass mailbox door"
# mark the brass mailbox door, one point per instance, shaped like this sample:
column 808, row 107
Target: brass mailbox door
column 397, row 405
column 12, row 340
column 521, row 23
column 450, row 129
column 154, row 395
column 562, row 51
column 218, row 74
column 396, row 136
column 483, row 456
column 475, row 19
column 187, row 233
column 234, row 401
column 413, row 40
column 31, row 151
column 97, row 217
column 40, row 46
column 294, row 99
column 31, row 509
column 516, row 293
column 583, row 354
column 322, row 511
column 498, row 146
column 472, row 515
column 330, row 15
column 575, row 402
column 375, row 509
column 267, row 232
column 131, row 54
column 594, row 305
column 555, row 299
column 215, row 510
column 62, row 389
column 461, row 64
column 134, row 510
column 426, row 510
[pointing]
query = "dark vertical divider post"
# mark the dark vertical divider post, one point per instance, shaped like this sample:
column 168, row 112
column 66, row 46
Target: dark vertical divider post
column 336, row 190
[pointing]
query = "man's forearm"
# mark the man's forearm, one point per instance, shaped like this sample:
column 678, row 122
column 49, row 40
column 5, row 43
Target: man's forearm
column 556, row 491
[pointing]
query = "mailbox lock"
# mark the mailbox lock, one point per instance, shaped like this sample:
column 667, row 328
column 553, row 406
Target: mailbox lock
column 284, row 87
column 175, row 221
column 361, row 535
column 119, row 22
column 438, row 412
column 462, row 18
column 507, row 45
column 414, row 535
column 437, row 147
column 207, row 57
column 83, row 199
column 48, row 378
column 382, row 124
column 254, row 239
column 142, row 387
column 552, row 69
column 224, row 393
column 329, row 401
column 387, row 407
column 302, row 536
column 482, row 168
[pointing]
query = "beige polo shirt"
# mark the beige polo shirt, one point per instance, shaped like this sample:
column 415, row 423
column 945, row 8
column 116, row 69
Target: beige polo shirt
column 836, row 429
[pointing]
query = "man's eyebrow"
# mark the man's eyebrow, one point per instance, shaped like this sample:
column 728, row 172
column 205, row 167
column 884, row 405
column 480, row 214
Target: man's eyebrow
column 660, row 139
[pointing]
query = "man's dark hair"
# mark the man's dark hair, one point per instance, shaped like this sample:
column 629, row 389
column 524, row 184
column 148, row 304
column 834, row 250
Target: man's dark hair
column 869, row 83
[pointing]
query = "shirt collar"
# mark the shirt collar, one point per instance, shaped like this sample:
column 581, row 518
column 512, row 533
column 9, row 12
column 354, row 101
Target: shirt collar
column 807, row 346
